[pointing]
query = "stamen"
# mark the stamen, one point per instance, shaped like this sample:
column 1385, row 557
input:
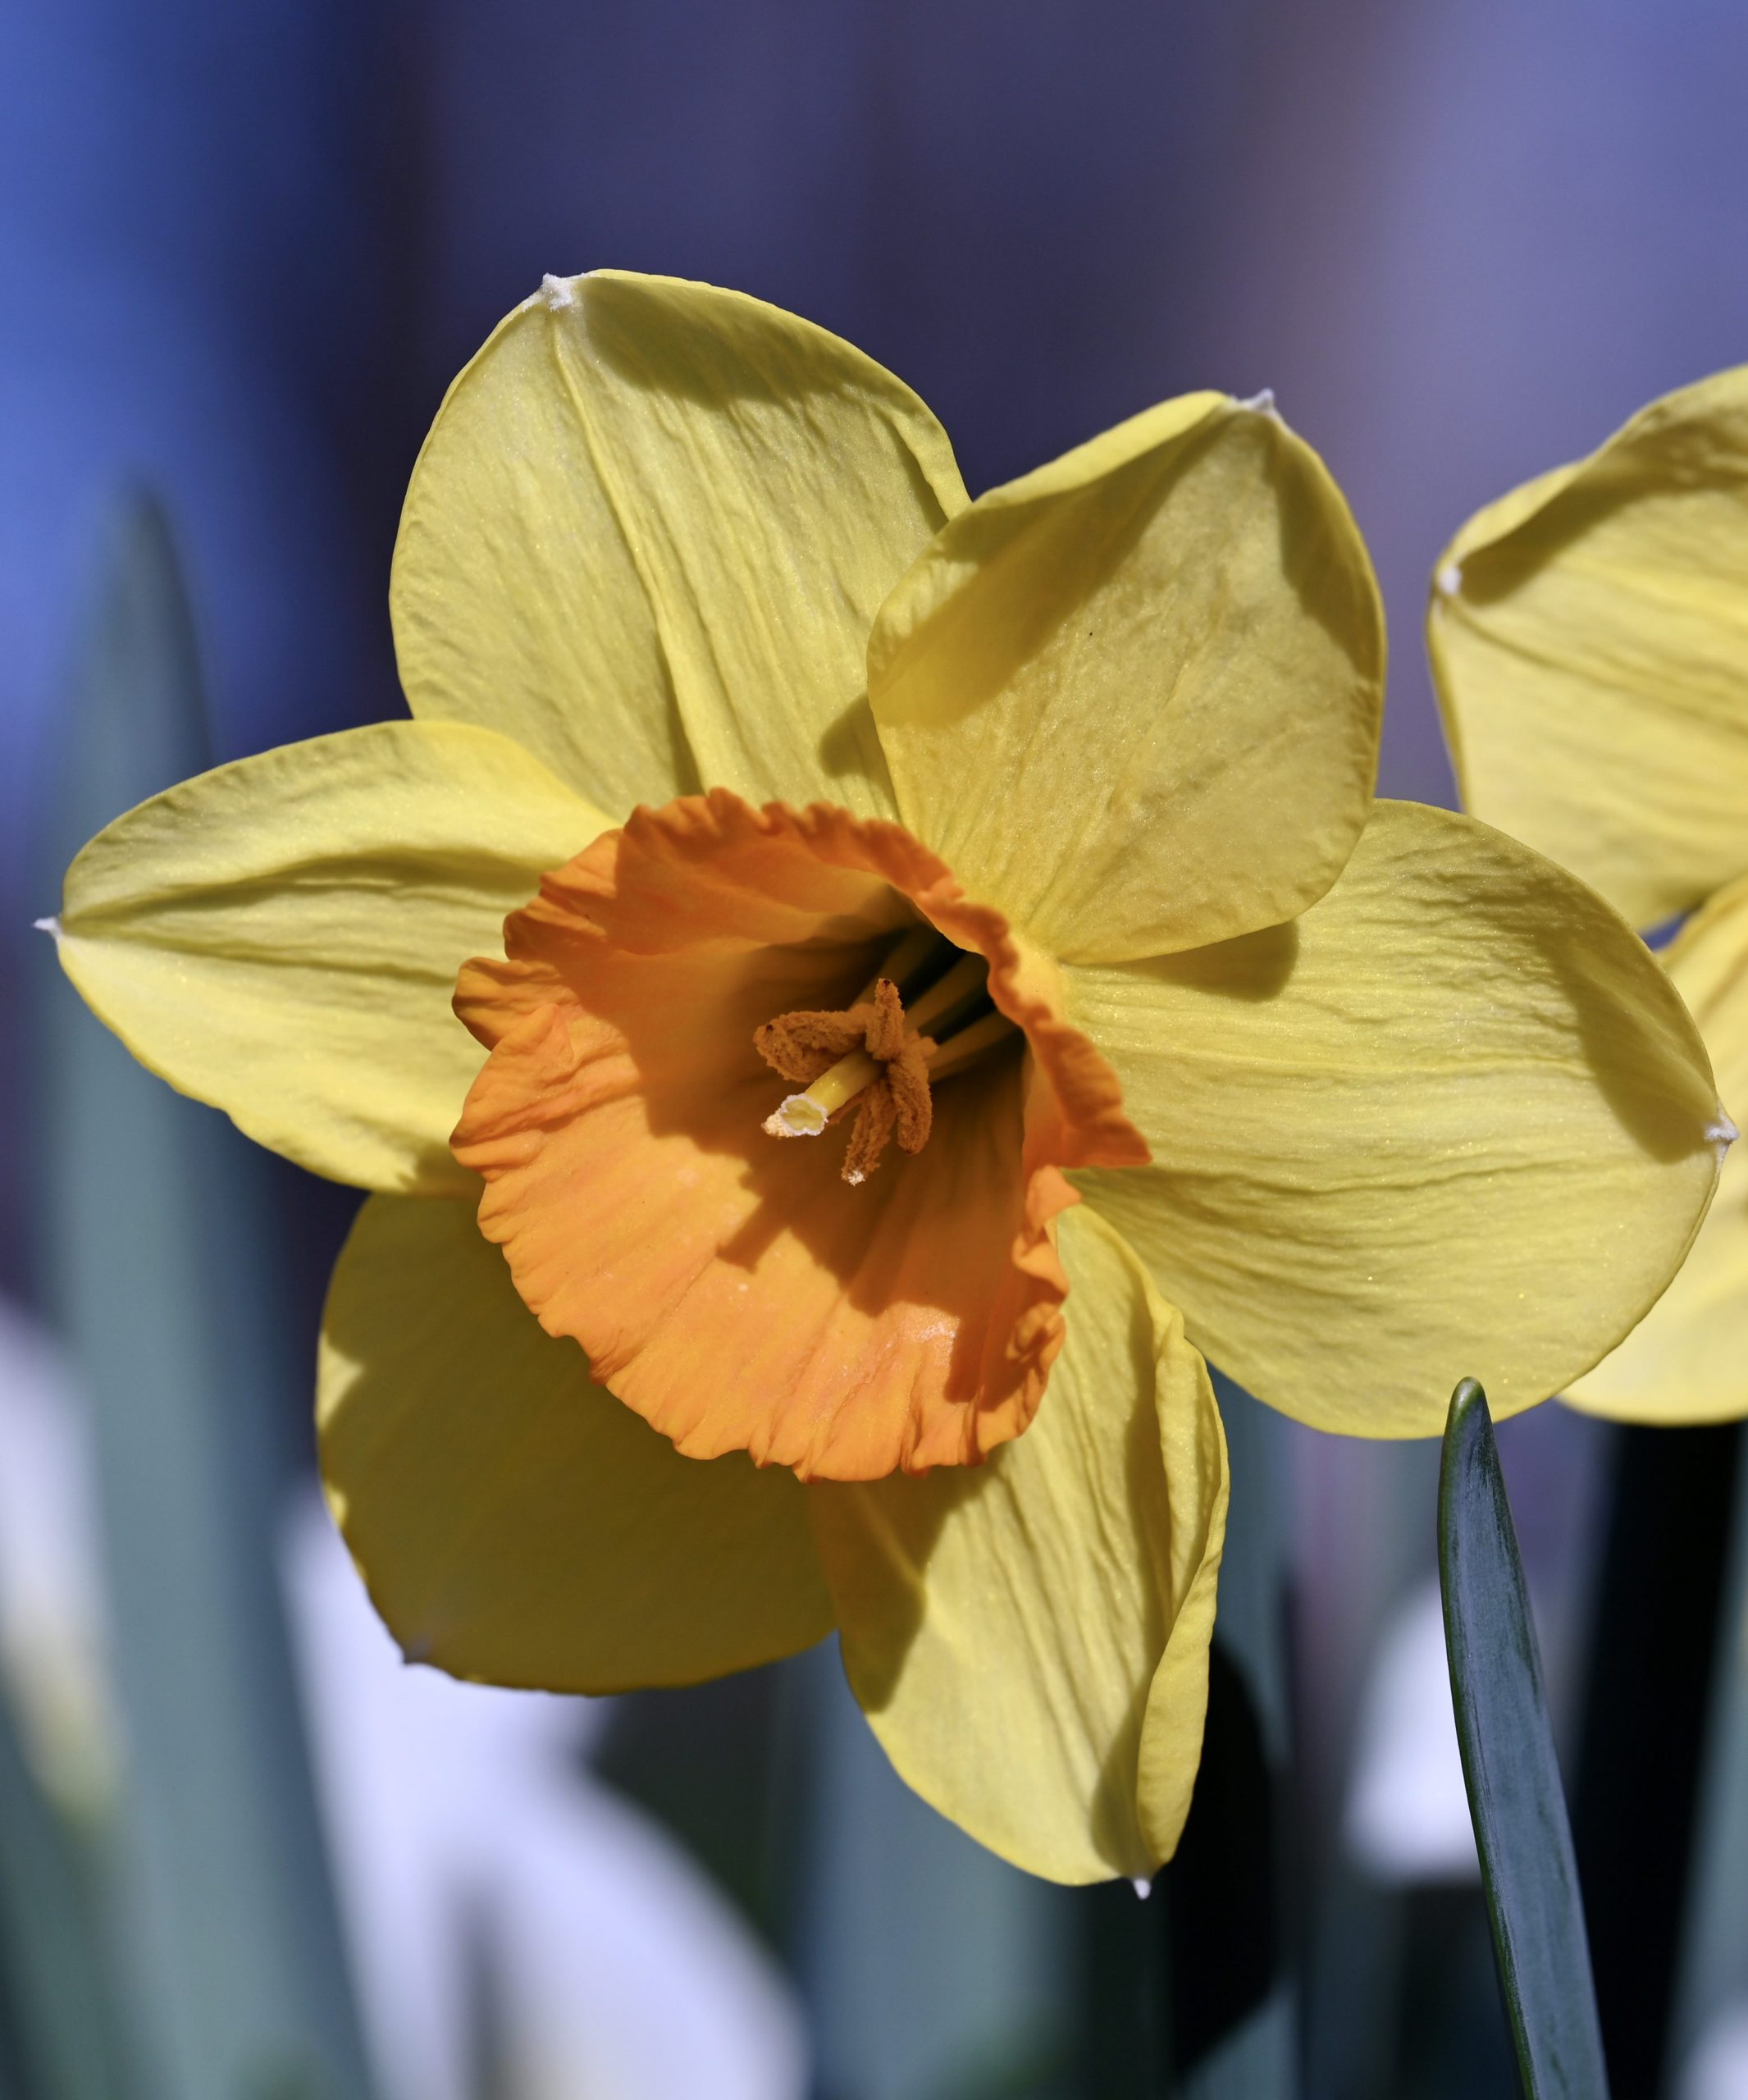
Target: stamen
column 968, row 1045
column 874, row 1052
column 889, row 1061
column 905, row 964
column 962, row 984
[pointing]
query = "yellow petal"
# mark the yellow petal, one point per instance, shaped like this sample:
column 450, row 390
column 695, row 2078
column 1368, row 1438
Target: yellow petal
column 1029, row 1638
column 515, row 1523
column 280, row 937
column 1452, row 1121
column 1687, row 1359
column 647, row 535
column 1589, row 636
column 1160, row 660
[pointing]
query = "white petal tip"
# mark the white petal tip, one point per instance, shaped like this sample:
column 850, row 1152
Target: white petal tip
column 1263, row 403
column 51, row 926
column 1449, row 579
column 1142, row 1888
column 1722, row 1134
column 556, row 293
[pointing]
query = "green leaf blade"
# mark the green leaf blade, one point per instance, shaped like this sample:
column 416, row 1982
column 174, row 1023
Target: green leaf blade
column 161, row 1259
column 1510, row 1770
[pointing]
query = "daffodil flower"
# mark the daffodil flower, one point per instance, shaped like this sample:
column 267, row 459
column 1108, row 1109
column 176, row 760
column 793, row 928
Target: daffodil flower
column 1589, row 635
column 952, row 950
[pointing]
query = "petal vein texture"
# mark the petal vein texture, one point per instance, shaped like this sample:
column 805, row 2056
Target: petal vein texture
column 514, row 1523
column 647, row 535
column 1451, row 1120
column 1687, row 1360
column 1589, row 635
column 1029, row 1637
column 1159, row 659
column 280, row 937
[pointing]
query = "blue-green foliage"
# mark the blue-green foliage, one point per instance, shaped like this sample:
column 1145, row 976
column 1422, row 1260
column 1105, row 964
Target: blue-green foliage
column 158, row 1271
column 1511, row 1771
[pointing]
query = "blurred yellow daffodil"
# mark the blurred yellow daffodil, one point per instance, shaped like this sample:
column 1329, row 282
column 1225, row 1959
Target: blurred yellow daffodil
column 944, row 939
column 1589, row 635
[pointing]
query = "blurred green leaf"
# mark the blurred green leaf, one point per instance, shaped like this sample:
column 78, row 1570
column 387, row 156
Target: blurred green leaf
column 1510, row 1770
column 931, row 1967
column 163, row 1267
column 54, row 1983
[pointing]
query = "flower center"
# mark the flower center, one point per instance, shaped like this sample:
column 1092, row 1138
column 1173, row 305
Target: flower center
column 880, row 1056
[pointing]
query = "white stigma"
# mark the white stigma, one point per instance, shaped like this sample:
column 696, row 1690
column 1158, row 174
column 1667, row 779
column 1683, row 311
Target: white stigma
column 1263, row 403
column 1449, row 579
column 50, row 926
column 1143, row 1889
column 1722, row 1134
column 557, row 292
column 800, row 1116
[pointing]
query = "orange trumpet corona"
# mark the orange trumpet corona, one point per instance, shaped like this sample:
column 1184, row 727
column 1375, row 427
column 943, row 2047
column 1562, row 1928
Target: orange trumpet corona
column 732, row 1290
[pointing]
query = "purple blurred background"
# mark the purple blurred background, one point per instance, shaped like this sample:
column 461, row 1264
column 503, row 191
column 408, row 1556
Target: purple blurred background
column 246, row 246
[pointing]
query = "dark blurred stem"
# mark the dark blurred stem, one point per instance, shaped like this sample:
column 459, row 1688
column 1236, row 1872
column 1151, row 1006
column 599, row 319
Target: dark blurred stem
column 1220, row 1897
column 1646, row 1701
column 1189, row 1996
column 1224, row 1898
column 1122, row 2051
